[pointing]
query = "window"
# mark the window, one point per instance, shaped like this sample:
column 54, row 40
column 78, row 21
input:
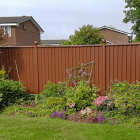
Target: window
column 7, row 29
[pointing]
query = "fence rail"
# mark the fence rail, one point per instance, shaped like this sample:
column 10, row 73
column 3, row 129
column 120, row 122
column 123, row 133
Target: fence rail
column 39, row 64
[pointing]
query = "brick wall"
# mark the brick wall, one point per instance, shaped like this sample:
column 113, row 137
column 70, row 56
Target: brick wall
column 114, row 37
column 28, row 36
column 12, row 39
column 21, row 37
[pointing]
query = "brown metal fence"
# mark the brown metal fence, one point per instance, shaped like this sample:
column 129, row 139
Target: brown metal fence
column 36, row 65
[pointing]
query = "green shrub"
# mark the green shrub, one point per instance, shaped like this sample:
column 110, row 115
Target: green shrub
column 69, row 93
column 3, row 73
column 53, row 90
column 49, row 91
column 54, row 101
column 126, row 97
column 11, row 91
column 62, row 88
column 83, row 97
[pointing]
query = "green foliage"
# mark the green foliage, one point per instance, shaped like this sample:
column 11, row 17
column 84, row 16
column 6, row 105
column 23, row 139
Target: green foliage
column 132, row 14
column 126, row 97
column 84, row 115
column 54, row 101
column 11, row 91
column 52, row 90
column 62, row 88
column 0, row 97
column 14, row 110
column 49, row 91
column 135, row 40
column 3, row 73
column 85, row 36
column 83, row 96
column 69, row 93
column 71, row 111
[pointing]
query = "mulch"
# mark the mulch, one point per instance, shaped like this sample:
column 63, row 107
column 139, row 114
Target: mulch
column 77, row 117
column 33, row 105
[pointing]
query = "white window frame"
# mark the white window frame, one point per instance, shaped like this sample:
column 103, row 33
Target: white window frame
column 8, row 28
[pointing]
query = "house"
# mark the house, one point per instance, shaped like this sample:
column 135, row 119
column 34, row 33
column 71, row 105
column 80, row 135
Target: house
column 114, row 36
column 57, row 42
column 23, row 30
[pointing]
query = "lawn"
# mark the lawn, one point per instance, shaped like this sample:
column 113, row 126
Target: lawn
column 26, row 128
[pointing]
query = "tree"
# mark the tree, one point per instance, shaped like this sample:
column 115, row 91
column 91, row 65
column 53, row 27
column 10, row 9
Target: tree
column 132, row 14
column 3, row 37
column 135, row 40
column 85, row 36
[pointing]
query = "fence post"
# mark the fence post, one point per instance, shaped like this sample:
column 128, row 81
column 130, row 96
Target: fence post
column 104, row 68
column 36, row 76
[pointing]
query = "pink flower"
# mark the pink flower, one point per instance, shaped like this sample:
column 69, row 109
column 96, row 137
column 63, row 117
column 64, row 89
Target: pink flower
column 71, row 105
column 100, row 100
column 100, row 97
column 110, row 103
column 106, row 97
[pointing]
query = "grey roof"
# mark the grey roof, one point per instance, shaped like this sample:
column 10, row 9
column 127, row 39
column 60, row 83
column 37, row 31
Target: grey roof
column 18, row 20
column 14, row 19
column 116, row 30
column 51, row 41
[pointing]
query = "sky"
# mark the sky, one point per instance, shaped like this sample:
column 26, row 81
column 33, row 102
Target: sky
column 60, row 18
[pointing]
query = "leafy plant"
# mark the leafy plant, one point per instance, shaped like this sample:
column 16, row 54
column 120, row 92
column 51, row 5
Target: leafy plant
column 84, row 115
column 3, row 73
column 11, row 91
column 49, row 91
column 0, row 97
column 71, row 111
column 53, row 90
column 69, row 93
column 83, row 96
column 126, row 97
column 62, row 87
column 54, row 101
column 31, row 114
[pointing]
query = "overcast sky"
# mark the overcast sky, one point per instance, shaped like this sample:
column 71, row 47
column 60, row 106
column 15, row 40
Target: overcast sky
column 59, row 18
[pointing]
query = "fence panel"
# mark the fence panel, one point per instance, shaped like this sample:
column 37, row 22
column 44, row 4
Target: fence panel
column 36, row 65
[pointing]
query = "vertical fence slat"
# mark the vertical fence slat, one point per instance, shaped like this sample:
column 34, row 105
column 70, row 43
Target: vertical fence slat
column 138, row 63
column 111, row 63
column 133, row 66
column 107, row 68
column 120, row 63
column 128, row 64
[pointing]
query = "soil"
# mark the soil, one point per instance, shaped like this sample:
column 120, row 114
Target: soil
column 32, row 105
column 77, row 117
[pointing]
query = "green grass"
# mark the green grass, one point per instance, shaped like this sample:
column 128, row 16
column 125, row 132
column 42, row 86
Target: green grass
column 25, row 128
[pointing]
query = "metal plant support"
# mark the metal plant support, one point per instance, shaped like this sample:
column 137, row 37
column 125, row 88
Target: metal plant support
column 81, row 73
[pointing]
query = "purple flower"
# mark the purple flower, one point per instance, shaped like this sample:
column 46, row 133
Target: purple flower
column 60, row 115
column 83, row 73
column 101, row 118
column 70, row 76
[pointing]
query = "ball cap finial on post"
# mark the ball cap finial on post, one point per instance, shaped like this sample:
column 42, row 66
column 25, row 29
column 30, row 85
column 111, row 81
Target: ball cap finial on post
column 103, row 40
column 36, row 43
